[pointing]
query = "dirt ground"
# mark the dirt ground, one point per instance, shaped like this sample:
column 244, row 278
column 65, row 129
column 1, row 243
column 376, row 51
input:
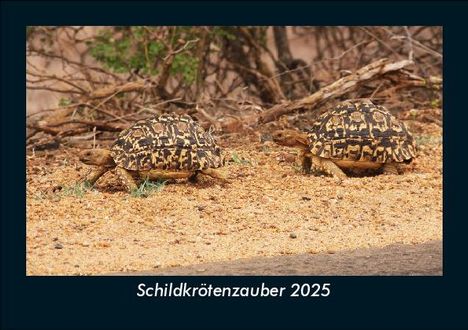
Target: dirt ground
column 268, row 209
column 392, row 260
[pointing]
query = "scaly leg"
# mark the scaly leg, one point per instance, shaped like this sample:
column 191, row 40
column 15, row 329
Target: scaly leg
column 95, row 175
column 127, row 178
column 328, row 167
column 306, row 162
column 193, row 178
column 390, row 168
column 166, row 174
column 215, row 173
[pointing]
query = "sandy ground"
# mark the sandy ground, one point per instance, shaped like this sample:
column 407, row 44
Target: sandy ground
column 268, row 209
column 395, row 260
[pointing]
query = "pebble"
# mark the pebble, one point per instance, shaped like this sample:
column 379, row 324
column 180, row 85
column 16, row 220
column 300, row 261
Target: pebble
column 58, row 246
column 292, row 235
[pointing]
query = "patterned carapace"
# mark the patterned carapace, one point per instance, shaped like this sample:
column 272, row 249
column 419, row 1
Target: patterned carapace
column 361, row 131
column 167, row 142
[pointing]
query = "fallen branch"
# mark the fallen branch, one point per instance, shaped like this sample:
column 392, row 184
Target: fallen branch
column 336, row 89
column 113, row 90
column 99, row 125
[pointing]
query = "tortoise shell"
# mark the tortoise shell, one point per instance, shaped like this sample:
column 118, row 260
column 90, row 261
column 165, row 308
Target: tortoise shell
column 167, row 142
column 361, row 131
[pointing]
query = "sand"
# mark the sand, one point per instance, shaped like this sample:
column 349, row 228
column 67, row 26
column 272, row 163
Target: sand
column 268, row 209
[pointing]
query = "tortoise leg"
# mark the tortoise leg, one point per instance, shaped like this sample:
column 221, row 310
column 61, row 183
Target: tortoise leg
column 166, row 174
column 215, row 173
column 306, row 162
column 390, row 168
column 127, row 178
column 328, row 167
column 95, row 175
column 193, row 177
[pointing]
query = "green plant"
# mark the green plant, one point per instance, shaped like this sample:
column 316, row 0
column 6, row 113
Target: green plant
column 78, row 189
column 131, row 49
column 427, row 140
column 147, row 187
column 240, row 160
column 186, row 65
column 63, row 102
column 142, row 49
column 436, row 103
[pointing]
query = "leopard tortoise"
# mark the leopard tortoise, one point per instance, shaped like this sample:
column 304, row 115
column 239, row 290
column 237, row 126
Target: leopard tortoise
column 164, row 147
column 354, row 135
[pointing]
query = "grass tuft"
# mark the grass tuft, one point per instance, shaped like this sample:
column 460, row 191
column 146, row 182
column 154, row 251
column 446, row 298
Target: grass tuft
column 240, row 160
column 147, row 187
column 78, row 189
column 425, row 139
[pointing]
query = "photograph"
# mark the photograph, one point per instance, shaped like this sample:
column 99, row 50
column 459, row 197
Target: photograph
column 234, row 150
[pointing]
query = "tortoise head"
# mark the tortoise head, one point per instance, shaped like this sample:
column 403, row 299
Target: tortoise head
column 100, row 157
column 290, row 138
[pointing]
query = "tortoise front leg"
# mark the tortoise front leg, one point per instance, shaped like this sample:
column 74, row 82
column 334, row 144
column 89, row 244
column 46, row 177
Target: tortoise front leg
column 215, row 173
column 193, row 178
column 127, row 178
column 95, row 175
column 328, row 167
column 306, row 161
column 390, row 168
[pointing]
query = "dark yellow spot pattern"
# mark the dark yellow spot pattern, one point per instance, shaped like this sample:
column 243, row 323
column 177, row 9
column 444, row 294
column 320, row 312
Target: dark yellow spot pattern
column 361, row 131
column 167, row 142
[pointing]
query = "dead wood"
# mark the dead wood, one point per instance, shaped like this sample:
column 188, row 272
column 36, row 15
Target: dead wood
column 134, row 86
column 333, row 90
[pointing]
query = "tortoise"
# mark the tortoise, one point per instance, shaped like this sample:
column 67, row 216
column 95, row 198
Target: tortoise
column 162, row 147
column 354, row 135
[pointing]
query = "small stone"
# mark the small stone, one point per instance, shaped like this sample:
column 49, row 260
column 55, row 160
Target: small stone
column 292, row 235
column 306, row 198
column 266, row 199
column 58, row 246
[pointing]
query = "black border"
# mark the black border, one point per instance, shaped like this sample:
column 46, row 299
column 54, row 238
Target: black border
column 111, row 302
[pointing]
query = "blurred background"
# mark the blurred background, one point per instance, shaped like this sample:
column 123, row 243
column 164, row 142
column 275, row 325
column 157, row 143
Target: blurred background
column 85, row 84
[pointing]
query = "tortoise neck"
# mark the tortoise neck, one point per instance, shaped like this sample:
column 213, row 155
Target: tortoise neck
column 301, row 139
column 109, row 161
column 106, row 158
